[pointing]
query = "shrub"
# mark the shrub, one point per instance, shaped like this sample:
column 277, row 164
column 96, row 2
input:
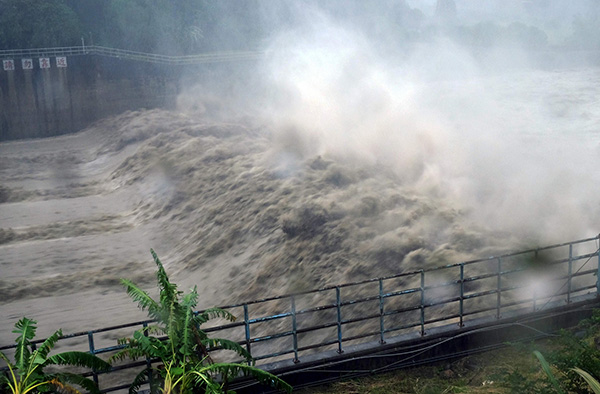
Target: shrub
column 26, row 374
column 186, row 363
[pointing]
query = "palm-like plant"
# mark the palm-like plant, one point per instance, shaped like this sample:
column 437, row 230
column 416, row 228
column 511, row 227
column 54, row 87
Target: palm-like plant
column 183, row 347
column 593, row 384
column 26, row 374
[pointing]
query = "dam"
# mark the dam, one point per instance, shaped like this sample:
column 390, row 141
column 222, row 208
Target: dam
column 357, row 253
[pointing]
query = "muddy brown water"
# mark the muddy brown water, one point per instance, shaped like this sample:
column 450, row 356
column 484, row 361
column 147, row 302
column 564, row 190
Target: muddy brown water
column 232, row 209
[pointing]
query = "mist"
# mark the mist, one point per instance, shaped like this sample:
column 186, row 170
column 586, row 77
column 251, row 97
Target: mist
column 497, row 133
column 369, row 138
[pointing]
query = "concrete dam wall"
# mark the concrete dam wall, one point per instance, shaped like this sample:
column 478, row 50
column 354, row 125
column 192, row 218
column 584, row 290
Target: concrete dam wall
column 42, row 102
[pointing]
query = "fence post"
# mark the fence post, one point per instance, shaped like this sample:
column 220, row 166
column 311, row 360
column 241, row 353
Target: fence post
column 93, row 352
column 148, row 360
column 422, row 303
column 381, row 313
column 462, row 293
column 247, row 330
column 338, row 303
column 499, row 290
column 294, row 330
column 598, row 273
column 570, row 273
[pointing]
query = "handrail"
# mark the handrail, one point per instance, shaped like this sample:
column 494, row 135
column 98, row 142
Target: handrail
column 376, row 308
column 213, row 57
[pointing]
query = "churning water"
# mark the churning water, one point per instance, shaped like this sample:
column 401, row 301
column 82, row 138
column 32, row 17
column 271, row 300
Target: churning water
column 321, row 192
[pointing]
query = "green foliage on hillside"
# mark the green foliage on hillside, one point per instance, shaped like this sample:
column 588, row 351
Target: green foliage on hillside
column 162, row 26
column 34, row 23
column 193, row 26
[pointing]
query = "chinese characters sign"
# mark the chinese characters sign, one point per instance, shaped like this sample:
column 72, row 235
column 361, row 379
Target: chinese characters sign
column 27, row 64
column 8, row 65
column 61, row 62
column 44, row 62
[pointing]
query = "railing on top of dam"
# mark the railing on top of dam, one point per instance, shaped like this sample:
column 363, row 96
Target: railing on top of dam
column 214, row 57
column 292, row 326
column 131, row 55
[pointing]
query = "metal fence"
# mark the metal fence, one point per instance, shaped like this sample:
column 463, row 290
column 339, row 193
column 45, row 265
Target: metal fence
column 215, row 57
column 291, row 326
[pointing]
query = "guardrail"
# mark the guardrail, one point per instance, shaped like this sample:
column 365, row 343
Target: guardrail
column 291, row 326
column 131, row 55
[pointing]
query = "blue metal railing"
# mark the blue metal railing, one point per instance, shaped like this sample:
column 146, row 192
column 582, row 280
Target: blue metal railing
column 282, row 327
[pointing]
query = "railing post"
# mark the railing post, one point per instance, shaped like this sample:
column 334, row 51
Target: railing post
column 598, row 273
column 422, row 303
column 570, row 273
column 338, row 303
column 294, row 330
column 381, row 313
column 499, row 290
column 462, row 294
column 247, row 330
column 93, row 352
column 534, row 297
column 148, row 359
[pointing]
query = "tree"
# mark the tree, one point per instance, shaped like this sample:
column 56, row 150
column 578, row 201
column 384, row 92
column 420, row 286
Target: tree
column 26, row 374
column 36, row 24
column 186, row 363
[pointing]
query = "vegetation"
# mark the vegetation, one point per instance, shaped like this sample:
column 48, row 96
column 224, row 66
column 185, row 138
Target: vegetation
column 27, row 375
column 571, row 365
column 164, row 26
column 577, row 351
column 31, row 23
column 192, row 26
column 175, row 339
column 186, row 364
column 591, row 381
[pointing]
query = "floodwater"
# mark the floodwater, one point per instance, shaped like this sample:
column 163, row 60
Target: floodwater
column 236, row 209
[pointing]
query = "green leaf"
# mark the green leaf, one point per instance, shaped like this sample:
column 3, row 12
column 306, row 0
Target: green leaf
column 176, row 371
column 168, row 290
column 187, row 339
column 79, row 359
column 232, row 371
column 190, row 300
column 227, row 345
column 141, row 346
column 46, row 347
column 26, row 329
column 591, row 381
column 4, row 380
column 548, row 371
column 213, row 313
column 3, row 357
column 140, row 379
column 144, row 301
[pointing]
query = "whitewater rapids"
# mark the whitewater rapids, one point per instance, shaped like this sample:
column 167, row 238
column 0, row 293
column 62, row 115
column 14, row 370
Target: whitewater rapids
column 233, row 207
